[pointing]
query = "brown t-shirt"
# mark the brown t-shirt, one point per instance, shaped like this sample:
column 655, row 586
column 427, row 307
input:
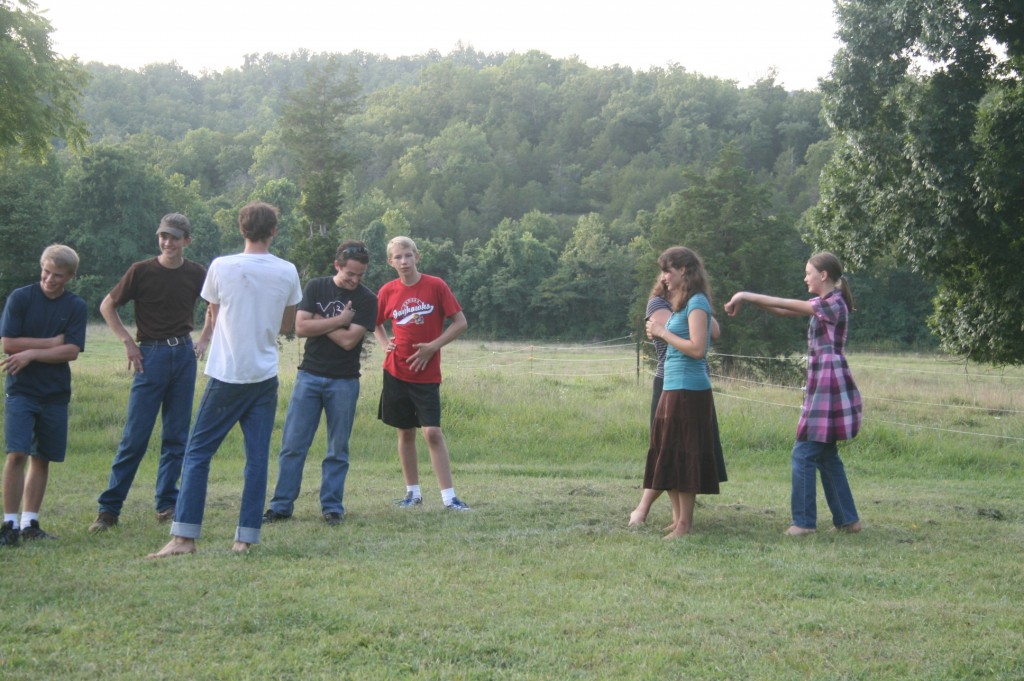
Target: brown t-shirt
column 165, row 299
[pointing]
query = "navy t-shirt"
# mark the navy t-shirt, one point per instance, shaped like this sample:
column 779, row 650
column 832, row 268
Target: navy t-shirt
column 30, row 314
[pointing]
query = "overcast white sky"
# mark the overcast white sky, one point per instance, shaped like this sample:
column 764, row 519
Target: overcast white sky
column 739, row 40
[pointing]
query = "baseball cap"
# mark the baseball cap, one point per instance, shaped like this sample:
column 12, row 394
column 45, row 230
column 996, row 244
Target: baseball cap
column 175, row 224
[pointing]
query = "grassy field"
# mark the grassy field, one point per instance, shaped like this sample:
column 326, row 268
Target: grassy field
column 544, row 580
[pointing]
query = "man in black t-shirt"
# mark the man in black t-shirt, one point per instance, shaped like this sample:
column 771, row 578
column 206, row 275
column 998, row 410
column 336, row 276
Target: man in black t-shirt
column 334, row 317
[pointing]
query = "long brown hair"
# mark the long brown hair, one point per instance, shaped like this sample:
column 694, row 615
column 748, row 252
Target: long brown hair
column 658, row 290
column 831, row 265
column 695, row 278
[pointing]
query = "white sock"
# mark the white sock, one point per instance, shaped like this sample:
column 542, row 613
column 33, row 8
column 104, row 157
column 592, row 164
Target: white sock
column 27, row 518
column 11, row 518
column 415, row 489
column 447, row 495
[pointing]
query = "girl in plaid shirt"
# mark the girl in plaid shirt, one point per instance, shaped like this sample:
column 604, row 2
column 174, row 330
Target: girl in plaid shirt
column 832, row 403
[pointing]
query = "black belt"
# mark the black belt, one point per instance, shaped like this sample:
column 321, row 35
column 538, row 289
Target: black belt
column 177, row 340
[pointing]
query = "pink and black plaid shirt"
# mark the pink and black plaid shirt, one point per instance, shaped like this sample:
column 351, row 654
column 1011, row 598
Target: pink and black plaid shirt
column 832, row 404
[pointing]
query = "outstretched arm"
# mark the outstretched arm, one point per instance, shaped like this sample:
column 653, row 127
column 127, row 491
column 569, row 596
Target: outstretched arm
column 783, row 307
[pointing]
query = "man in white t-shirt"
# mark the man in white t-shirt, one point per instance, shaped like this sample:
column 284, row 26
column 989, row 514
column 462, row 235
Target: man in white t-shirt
column 252, row 297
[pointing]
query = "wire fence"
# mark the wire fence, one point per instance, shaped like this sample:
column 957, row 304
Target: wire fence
column 615, row 357
column 959, row 402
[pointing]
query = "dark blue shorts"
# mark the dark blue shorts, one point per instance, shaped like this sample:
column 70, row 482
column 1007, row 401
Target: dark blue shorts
column 409, row 405
column 36, row 428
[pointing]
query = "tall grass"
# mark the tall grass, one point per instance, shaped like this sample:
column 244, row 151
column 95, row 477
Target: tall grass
column 543, row 580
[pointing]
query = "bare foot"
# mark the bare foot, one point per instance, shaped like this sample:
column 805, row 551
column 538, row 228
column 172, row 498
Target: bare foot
column 851, row 528
column 795, row 531
column 678, row 530
column 637, row 517
column 241, row 547
column 179, row 546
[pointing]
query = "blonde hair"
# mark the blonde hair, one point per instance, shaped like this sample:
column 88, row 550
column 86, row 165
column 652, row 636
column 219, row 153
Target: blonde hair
column 402, row 242
column 61, row 256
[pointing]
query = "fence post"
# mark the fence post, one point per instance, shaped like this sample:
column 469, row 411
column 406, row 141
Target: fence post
column 638, row 335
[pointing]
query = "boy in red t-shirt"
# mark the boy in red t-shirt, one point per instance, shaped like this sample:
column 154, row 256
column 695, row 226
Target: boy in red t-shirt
column 416, row 305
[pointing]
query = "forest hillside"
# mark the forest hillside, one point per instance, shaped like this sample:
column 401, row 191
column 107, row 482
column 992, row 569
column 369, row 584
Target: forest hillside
column 541, row 189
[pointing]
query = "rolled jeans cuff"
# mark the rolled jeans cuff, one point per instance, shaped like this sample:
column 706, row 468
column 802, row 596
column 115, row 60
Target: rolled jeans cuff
column 186, row 530
column 248, row 535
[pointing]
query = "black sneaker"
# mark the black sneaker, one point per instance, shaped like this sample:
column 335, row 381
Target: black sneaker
column 333, row 518
column 272, row 516
column 33, row 531
column 9, row 534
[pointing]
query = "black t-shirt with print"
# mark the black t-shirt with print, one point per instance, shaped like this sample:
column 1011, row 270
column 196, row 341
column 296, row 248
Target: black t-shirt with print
column 324, row 298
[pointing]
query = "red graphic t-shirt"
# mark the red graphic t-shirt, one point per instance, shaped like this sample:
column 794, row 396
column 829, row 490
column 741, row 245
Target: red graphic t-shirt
column 417, row 315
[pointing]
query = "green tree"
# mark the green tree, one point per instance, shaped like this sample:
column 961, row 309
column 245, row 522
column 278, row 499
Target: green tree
column 893, row 304
column 111, row 206
column 499, row 281
column 218, row 161
column 27, row 220
column 374, row 236
column 589, row 291
column 927, row 102
column 726, row 216
column 312, row 130
column 39, row 90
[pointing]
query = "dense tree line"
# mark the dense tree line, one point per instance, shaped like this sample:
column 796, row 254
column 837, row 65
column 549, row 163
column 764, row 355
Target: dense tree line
column 541, row 188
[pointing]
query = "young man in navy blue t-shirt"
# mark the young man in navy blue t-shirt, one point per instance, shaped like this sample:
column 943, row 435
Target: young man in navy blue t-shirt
column 42, row 330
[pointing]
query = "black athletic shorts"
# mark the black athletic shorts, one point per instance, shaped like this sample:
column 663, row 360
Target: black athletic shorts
column 409, row 405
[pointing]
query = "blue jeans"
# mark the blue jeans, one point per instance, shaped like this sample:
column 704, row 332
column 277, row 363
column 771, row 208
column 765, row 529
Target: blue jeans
column 166, row 384
column 312, row 395
column 252, row 406
column 808, row 459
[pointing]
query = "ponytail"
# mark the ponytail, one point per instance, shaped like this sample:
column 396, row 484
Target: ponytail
column 844, row 288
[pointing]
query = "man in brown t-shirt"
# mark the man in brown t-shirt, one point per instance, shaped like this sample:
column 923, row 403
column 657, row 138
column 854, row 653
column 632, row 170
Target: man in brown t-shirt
column 162, row 359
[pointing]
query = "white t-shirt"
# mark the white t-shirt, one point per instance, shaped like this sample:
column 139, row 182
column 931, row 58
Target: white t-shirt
column 252, row 290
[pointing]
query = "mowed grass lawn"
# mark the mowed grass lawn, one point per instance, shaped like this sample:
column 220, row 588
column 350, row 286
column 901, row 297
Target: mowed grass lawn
column 543, row 580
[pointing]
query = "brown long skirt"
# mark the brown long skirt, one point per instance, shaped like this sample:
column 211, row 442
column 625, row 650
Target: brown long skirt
column 682, row 452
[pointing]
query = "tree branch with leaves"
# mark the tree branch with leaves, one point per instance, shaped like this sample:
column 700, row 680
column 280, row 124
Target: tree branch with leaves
column 927, row 105
column 39, row 89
